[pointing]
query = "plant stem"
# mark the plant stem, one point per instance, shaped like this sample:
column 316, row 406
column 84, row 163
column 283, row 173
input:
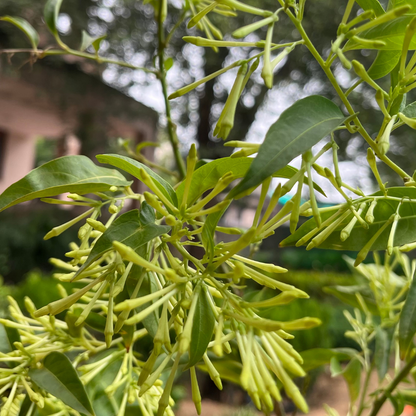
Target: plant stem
column 387, row 391
column 343, row 97
column 171, row 127
column 361, row 403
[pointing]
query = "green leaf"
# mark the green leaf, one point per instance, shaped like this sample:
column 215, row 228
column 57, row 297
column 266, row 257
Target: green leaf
column 384, row 63
column 51, row 13
column 86, row 41
column 392, row 33
column 8, row 336
column 202, row 328
column 317, row 357
column 409, row 396
column 410, row 110
column 407, row 322
column 299, row 128
column 96, row 43
column 128, row 230
column 351, row 374
column 208, row 230
column 59, row 378
column 147, row 214
column 229, row 370
column 25, row 27
column 371, row 5
column 207, row 176
column 133, row 167
column 66, row 174
column 382, row 351
column 405, row 231
column 168, row 64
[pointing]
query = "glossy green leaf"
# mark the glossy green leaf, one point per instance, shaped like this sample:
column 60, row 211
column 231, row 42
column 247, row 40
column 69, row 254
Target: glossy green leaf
column 405, row 231
column 392, row 33
column 25, row 27
column 384, row 63
column 96, row 43
column 407, row 322
column 133, row 167
column 59, row 378
column 410, row 110
column 202, row 328
column 298, row 128
column 208, row 175
column 371, row 5
column 382, row 350
column 147, row 214
column 76, row 174
column 316, row 357
column 86, row 41
column 128, row 230
column 208, row 230
column 51, row 13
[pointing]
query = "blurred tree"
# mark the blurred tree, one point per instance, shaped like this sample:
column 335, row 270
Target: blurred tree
column 131, row 35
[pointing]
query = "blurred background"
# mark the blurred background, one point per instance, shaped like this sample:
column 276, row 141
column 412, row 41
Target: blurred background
column 63, row 105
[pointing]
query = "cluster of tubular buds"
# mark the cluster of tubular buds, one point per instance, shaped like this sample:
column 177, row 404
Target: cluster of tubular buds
column 125, row 382
column 34, row 339
column 264, row 354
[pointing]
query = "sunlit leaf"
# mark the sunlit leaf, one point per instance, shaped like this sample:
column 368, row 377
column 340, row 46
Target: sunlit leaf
column 133, row 167
column 299, row 128
column 371, row 5
column 384, row 63
column 59, row 378
column 51, row 13
column 76, row 174
column 25, row 27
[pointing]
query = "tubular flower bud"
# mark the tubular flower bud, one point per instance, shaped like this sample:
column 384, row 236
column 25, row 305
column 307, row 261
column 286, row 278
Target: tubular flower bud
column 155, row 203
column 281, row 56
column 390, row 242
column 362, row 73
column 196, row 395
column 407, row 247
column 267, row 267
column 345, row 233
column 381, row 103
column 201, row 14
column 246, row 30
column 238, row 5
column 371, row 158
column 369, row 43
column 364, row 251
column 191, row 162
column 369, row 216
column 185, row 339
column 212, row 371
column 226, row 121
column 411, row 122
column 61, row 228
column 267, row 72
column 97, row 225
column 383, row 143
column 203, row 42
column 190, row 87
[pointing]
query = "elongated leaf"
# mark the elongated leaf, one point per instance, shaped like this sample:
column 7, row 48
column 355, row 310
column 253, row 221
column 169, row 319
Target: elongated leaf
column 299, row 128
column 128, row 230
column 86, row 41
column 66, row 174
column 208, row 230
column 382, row 351
column 147, row 214
column 51, row 13
column 202, row 329
column 207, row 176
column 384, row 63
column 392, row 33
column 317, row 357
column 25, row 27
column 352, row 375
column 405, row 231
column 407, row 322
column 8, row 336
column 133, row 167
column 371, row 5
column 59, row 378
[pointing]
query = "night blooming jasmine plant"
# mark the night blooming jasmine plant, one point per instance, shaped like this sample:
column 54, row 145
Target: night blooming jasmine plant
column 143, row 307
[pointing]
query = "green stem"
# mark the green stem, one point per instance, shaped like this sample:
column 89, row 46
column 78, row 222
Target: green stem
column 387, row 391
column 343, row 97
column 171, row 127
column 361, row 403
